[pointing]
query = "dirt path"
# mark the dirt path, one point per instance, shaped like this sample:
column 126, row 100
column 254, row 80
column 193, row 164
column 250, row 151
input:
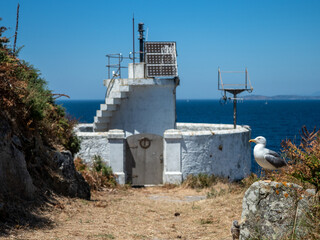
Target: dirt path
column 146, row 213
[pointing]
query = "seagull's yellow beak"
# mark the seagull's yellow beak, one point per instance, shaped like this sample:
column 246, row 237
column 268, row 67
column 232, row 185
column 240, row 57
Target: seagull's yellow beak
column 252, row 140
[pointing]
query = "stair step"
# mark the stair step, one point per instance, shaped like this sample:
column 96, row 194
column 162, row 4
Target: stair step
column 115, row 101
column 108, row 107
column 102, row 113
column 100, row 127
column 124, row 88
column 118, row 94
column 101, row 119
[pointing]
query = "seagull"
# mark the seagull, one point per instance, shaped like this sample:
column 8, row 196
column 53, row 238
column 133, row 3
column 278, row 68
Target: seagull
column 265, row 157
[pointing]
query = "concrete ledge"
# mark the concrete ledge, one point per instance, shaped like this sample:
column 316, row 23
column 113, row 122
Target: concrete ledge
column 150, row 81
column 115, row 134
column 172, row 177
column 194, row 129
column 92, row 134
column 84, row 127
column 172, row 134
column 140, row 81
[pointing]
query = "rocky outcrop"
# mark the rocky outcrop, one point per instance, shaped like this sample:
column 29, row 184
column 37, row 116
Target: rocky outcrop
column 275, row 211
column 14, row 176
column 28, row 168
column 72, row 184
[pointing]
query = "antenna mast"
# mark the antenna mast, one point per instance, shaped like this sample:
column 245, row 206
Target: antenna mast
column 234, row 89
column 133, row 50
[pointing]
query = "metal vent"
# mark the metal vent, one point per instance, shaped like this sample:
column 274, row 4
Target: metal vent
column 161, row 59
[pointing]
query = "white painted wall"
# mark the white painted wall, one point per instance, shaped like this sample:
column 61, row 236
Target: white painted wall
column 172, row 156
column 192, row 148
column 215, row 149
column 93, row 143
column 149, row 108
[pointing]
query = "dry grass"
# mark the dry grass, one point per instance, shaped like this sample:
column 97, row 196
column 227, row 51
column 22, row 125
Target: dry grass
column 145, row 213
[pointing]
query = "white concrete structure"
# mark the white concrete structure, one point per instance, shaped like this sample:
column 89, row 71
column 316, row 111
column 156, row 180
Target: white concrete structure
column 192, row 148
column 217, row 149
column 140, row 105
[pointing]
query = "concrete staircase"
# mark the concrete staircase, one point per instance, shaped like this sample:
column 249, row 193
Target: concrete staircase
column 104, row 115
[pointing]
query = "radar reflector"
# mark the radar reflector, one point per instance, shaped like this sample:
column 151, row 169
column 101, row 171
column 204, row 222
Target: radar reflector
column 161, row 59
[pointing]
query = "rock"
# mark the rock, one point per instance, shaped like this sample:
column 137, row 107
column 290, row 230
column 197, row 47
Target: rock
column 274, row 211
column 73, row 184
column 14, row 176
column 29, row 168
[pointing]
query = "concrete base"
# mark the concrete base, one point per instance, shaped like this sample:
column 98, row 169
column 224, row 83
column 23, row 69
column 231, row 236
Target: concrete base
column 172, row 177
column 120, row 177
column 190, row 149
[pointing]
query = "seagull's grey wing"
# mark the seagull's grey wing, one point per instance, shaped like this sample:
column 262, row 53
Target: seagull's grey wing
column 274, row 159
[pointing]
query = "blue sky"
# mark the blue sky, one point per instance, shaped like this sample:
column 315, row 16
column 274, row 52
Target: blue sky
column 278, row 41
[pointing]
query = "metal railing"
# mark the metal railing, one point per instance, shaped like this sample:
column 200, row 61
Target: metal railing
column 114, row 64
column 246, row 86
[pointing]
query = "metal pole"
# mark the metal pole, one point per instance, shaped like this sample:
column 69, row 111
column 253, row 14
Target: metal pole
column 133, row 65
column 109, row 67
column 234, row 110
column 246, row 77
column 218, row 78
column 141, row 38
column 133, row 38
column 120, row 65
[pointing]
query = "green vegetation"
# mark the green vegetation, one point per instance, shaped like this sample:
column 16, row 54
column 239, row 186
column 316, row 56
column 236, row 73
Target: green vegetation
column 304, row 164
column 27, row 101
column 201, row 180
column 98, row 176
column 303, row 169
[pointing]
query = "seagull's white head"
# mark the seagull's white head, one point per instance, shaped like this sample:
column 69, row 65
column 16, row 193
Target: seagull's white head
column 259, row 140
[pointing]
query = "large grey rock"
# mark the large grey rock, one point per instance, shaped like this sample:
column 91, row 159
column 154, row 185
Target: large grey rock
column 14, row 177
column 27, row 166
column 72, row 183
column 274, row 211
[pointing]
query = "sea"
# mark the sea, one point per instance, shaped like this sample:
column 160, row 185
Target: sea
column 276, row 120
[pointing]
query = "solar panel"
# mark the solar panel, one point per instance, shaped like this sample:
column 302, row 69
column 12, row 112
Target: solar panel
column 161, row 59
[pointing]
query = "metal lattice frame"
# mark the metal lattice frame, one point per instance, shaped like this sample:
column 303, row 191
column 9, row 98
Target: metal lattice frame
column 234, row 89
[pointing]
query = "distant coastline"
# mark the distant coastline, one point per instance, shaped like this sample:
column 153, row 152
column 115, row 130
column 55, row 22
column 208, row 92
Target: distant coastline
column 246, row 97
column 280, row 97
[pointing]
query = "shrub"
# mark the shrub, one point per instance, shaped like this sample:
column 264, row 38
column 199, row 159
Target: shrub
column 26, row 99
column 98, row 176
column 304, row 169
column 201, row 180
column 304, row 159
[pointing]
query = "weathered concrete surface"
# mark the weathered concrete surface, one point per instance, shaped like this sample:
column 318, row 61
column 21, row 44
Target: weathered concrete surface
column 92, row 143
column 274, row 211
column 172, row 157
column 117, row 154
column 190, row 149
column 149, row 108
column 215, row 149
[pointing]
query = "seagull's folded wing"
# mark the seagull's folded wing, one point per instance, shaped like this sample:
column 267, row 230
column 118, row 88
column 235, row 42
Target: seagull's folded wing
column 274, row 159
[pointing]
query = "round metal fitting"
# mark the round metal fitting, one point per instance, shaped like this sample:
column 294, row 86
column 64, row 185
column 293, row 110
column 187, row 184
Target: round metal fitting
column 145, row 142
